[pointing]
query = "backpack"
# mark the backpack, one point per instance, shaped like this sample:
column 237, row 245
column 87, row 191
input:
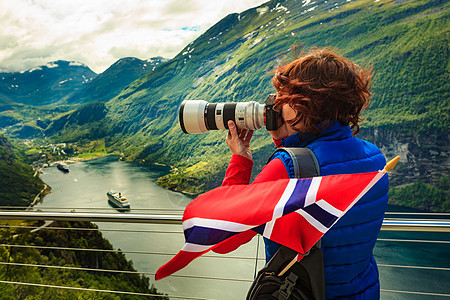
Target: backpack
column 283, row 277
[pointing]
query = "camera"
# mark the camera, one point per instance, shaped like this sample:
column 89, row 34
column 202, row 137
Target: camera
column 198, row 116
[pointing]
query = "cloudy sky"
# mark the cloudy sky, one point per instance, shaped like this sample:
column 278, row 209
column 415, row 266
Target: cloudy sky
column 99, row 32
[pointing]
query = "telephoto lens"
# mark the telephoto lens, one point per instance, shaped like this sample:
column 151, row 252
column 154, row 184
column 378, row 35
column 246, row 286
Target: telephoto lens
column 198, row 116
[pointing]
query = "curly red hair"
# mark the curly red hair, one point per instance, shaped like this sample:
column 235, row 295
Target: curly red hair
column 323, row 86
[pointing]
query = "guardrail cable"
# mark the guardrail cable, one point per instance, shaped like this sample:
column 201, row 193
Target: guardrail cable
column 415, row 293
column 123, row 272
column 92, row 229
column 413, row 241
column 72, row 268
column 101, row 291
column 181, row 297
column 43, row 208
column 121, row 251
column 414, row 267
column 417, row 213
column 201, row 277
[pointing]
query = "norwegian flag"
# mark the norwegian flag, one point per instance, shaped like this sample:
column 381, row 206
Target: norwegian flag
column 292, row 212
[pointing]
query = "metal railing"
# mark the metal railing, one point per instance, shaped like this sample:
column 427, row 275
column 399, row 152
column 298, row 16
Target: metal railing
column 434, row 223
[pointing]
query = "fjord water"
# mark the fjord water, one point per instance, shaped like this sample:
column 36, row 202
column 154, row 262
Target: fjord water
column 84, row 190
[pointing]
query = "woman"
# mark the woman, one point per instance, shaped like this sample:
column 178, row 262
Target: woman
column 320, row 97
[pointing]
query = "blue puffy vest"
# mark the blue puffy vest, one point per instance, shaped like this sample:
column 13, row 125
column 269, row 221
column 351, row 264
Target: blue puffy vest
column 350, row 268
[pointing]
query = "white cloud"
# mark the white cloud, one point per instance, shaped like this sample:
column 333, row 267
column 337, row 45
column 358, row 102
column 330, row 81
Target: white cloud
column 99, row 32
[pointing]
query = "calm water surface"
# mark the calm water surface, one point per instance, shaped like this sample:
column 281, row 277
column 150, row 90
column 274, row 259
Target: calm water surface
column 84, row 189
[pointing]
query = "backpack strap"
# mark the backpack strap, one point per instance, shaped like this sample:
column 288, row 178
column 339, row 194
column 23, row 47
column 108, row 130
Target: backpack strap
column 304, row 161
column 283, row 277
column 305, row 164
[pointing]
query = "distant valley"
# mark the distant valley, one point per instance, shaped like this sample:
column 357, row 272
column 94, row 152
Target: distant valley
column 31, row 100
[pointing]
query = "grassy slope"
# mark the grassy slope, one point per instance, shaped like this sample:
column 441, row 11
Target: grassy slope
column 18, row 185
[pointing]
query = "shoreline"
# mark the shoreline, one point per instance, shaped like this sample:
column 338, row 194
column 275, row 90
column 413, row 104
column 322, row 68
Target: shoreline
column 46, row 190
column 78, row 159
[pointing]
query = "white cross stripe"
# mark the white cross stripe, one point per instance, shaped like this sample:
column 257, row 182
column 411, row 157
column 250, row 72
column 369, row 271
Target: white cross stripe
column 188, row 247
column 279, row 208
column 311, row 220
column 326, row 207
column 312, row 191
column 329, row 208
column 216, row 224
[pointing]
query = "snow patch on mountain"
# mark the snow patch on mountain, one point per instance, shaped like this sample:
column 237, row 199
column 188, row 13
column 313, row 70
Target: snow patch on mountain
column 76, row 64
column 34, row 69
column 51, row 65
column 262, row 10
column 279, row 8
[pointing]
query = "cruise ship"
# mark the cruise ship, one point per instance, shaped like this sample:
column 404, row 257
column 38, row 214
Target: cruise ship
column 63, row 168
column 117, row 200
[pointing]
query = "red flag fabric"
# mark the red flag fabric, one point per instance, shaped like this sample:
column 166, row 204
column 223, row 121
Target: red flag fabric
column 292, row 212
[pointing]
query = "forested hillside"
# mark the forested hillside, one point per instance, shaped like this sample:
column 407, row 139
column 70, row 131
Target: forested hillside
column 89, row 238
column 19, row 185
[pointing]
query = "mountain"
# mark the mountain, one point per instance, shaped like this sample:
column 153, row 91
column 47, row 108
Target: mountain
column 64, row 86
column 19, row 184
column 87, row 122
column 46, row 84
column 5, row 103
column 405, row 42
column 109, row 83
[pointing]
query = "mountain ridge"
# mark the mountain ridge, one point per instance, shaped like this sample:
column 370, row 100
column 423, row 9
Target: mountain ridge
column 26, row 115
column 118, row 75
column 46, row 84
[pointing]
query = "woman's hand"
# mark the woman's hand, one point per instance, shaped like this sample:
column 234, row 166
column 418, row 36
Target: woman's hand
column 239, row 140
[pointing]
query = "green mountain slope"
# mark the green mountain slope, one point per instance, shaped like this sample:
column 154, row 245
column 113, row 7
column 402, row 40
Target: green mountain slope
column 18, row 185
column 406, row 42
column 86, row 122
column 28, row 121
column 88, row 237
